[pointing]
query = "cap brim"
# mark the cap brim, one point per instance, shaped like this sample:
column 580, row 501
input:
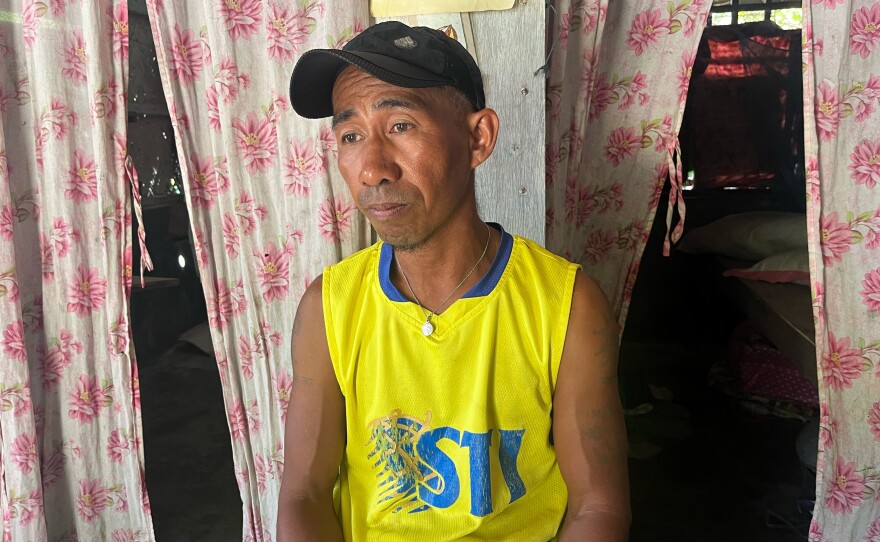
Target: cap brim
column 311, row 85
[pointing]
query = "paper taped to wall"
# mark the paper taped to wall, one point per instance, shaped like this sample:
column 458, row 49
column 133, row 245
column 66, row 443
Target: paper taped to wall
column 396, row 8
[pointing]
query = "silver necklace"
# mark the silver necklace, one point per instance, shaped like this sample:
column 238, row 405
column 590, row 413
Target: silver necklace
column 428, row 327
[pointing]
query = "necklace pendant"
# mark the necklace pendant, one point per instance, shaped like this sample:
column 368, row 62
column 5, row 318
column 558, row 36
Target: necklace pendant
column 427, row 328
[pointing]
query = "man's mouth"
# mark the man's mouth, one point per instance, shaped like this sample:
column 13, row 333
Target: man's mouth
column 385, row 210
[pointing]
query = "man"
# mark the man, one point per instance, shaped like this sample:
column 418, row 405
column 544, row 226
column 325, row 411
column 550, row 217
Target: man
column 452, row 382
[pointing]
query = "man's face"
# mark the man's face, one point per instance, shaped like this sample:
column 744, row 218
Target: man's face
column 405, row 155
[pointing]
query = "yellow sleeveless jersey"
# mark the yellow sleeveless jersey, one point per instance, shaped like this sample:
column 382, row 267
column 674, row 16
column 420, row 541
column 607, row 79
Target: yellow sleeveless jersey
column 449, row 436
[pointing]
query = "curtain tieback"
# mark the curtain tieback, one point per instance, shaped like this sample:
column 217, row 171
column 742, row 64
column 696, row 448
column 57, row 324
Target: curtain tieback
column 131, row 175
column 676, row 198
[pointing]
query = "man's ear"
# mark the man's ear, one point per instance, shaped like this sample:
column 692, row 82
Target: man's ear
column 483, row 128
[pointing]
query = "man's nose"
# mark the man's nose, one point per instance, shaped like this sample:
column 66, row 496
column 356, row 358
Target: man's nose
column 379, row 165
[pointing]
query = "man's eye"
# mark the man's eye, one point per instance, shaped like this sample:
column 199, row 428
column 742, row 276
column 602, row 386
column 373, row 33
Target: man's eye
column 350, row 138
column 401, row 127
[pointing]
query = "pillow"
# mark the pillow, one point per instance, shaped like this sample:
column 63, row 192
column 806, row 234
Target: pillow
column 791, row 266
column 748, row 236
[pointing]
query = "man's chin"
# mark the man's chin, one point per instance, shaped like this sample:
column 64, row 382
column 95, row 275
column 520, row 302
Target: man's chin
column 401, row 242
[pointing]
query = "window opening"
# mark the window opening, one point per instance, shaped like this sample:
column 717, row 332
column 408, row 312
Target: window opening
column 786, row 14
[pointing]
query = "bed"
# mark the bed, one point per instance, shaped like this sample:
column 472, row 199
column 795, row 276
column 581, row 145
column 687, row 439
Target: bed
column 763, row 257
column 783, row 311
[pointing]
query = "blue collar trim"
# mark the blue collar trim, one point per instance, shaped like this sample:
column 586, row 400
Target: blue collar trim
column 480, row 289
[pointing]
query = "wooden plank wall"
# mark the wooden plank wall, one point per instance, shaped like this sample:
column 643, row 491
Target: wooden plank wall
column 510, row 48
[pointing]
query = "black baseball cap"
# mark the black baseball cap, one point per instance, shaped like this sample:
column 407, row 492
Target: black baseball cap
column 411, row 57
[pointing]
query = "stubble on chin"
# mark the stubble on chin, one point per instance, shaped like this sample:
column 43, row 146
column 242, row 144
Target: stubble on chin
column 401, row 244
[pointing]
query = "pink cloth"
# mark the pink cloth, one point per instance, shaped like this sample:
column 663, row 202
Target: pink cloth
column 763, row 371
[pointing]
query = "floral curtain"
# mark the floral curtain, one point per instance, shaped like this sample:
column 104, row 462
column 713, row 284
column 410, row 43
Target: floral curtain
column 71, row 460
column 842, row 139
column 619, row 73
column 269, row 209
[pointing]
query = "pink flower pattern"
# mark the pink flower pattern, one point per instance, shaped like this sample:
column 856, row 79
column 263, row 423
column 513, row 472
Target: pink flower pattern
column 873, row 532
column 237, row 418
column 118, row 341
column 685, row 71
column 186, row 56
column 231, row 237
column 203, row 186
column 865, row 163
column 273, row 271
column 334, row 218
column 91, row 499
column 86, row 292
column 24, row 452
column 58, row 6
column 73, row 65
column 14, row 344
column 31, row 11
column 120, row 146
column 625, row 92
column 874, row 420
column 865, row 30
column 621, row 144
column 288, row 29
column 326, row 146
column 57, row 358
column 827, row 111
column 846, row 488
column 248, row 353
column 119, row 443
column 827, row 427
column 648, row 28
column 8, row 219
column 842, row 364
column 599, row 243
column 283, row 386
column 229, row 301
column 52, row 468
column 47, row 261
column 579, row 204
column 82, row 182
column 346, row 35
column 213, row 105
column 871, row 290
column 242, row 17
column 836, row 238
column 657, row 183
column 248, row 213
column 86, row 400
column 105, row 102
column 257, row 142
column 229, row 80
column 301, row 165
column 263, row 470
column 62, row 236
column 120, row 30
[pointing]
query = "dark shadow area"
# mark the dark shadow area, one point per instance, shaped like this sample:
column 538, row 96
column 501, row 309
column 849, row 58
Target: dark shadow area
column 705, row 464
column 187, row 450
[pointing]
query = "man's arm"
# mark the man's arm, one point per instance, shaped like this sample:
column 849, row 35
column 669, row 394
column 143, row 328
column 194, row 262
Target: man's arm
column 314, row 436
column 588, row 427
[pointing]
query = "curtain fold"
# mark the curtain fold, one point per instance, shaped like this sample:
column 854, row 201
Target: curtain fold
column 619, row 73
column 71, row 460
column 841, row 55
column 268, row 208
